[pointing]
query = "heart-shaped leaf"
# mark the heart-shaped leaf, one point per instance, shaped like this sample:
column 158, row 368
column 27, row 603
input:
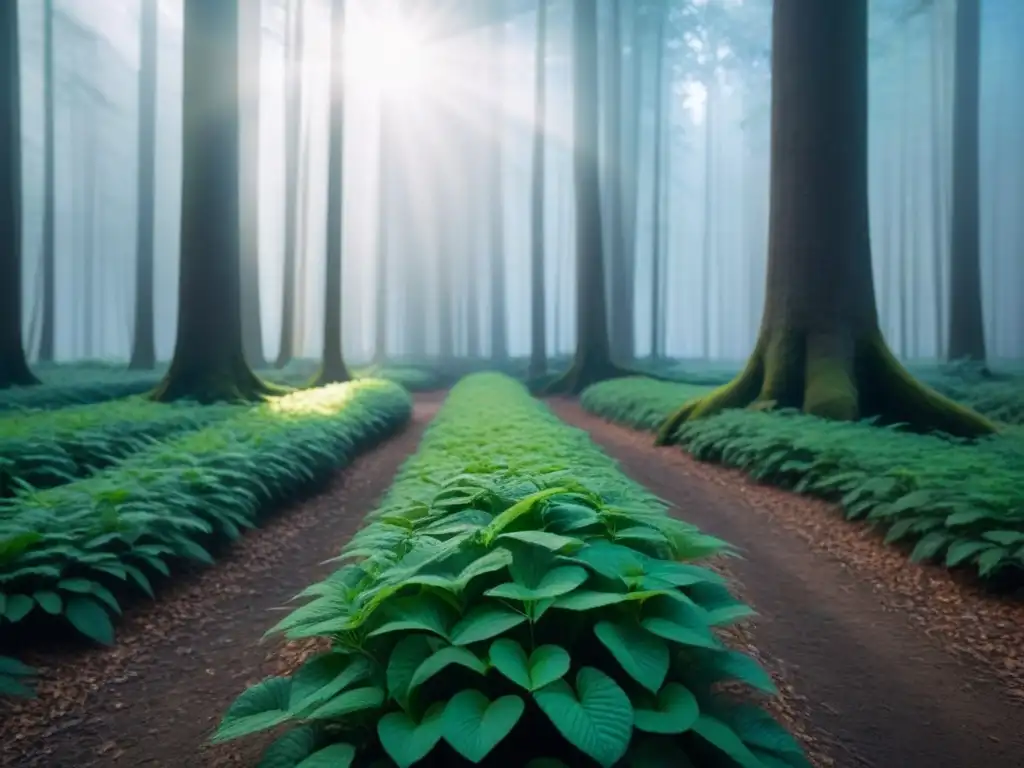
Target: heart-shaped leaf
column 674, row 710
column 597, row 718
column 406, row 741
column 555, row 583
column 644, row 656
column 474, row 725
column 545, row 665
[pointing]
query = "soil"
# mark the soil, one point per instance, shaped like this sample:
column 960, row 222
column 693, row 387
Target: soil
column 874, row 688
column 154, row 698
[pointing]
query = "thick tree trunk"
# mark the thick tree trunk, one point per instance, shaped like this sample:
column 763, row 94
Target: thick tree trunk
column 592, row 361
column 496, row 183
column 820, row 348
column 384, row 223
column 966, row 326
column 538, row 321
column 251, row 46
column 209, row 363
column 14, row 368
column 293, row 139
column 144, row 345
column 48, row 331
column 333, row 367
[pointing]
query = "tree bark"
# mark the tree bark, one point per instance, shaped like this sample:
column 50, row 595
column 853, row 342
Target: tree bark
column 966, row 326
column 820, row 348
column 293, row 140
column 538, row 285
column 496, row 183
column 14, row 368
column 333, row 368
column 251, row 45
column 209, row 363
column 657, row 225
column 592, row 360
column 144, row 345
column 384, row 171
column 48, row 332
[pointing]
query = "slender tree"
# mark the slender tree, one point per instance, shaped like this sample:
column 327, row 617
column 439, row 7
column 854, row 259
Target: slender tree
column 333, row 368
column 966, row 324
column 384, row 177
column 592, row 361
column 14, row 368
column 144, row 344
column 538, row 288
column 495, row 183
column 48, row 331
column 251, row 46
column 820, row 347
column 659, row 146
column 209, row 362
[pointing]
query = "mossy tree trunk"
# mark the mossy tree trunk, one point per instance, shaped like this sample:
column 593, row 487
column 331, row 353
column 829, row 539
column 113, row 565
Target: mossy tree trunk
column 48, row 326
column 820, row 348
column 538, row 320
column 294, row 48
column 208, row 363
column 252, row 319
column 333, row 368
column 592, row 361
column 144, row 344
column 966, row 324
column 14, row 368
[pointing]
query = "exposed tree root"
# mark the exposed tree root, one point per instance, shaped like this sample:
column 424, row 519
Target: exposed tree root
column 833, row 377
column 18, row 374
column 331, row 372
column 232, row 383
column 585, row 370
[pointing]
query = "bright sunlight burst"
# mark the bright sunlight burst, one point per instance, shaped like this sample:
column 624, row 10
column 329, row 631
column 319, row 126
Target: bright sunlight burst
column 388, row 53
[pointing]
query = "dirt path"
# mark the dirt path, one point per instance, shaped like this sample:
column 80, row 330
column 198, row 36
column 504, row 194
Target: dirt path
column 888, row 695
column 153, row 699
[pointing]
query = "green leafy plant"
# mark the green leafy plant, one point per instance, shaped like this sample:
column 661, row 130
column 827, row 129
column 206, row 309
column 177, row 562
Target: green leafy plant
column 15, row 678
column 78, row 388
column 961, row 502
column 515, row 594
column 65, row 551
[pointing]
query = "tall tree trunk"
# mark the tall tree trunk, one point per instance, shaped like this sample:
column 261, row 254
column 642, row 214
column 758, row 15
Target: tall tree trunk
column 48, row 331
column 902, row 255
column 333, row 367
column 966, row 326
column 496, row 183
column 538, row 285
column 657, row 224
column 14, row 368
column 251, row 46
column 470, row 217
column 940, row 235
column 144, row 345
column 89, row 140
column 293, row 139
column 209, row 363
column 384, row 224
column 709, row 203
column 631, row 191
column 820, row 348
column 592, row 361
column 621, row 305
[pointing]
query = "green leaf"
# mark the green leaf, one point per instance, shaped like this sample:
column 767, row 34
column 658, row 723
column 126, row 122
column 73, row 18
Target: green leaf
column 49, row 601
column 18, row 607
column 443, row 658
column 473, row 725
column 759, row 729
column 517, row 510
column 545, row 665
column 550, row 541
column 334, row 756
column 347, row 702
column 676, row 621
column 290, row 749
column 721, row 736
column 589, row 600
column 642, row 655
column 90, row 618
column 484, row 622
column 929, row 546
column 746, row 669
column 406, row 741
column 962, row 550
column 324, row 676
column 15, row 668
column 425, row 613
column 673, row 711
column 406, row 658
column 991, row 559
column 599, row 722
column 555, row 583
column 260, row 707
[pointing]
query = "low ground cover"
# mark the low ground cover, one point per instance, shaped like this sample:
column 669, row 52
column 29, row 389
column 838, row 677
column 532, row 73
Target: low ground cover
column 81, row 388
column 66, row 553
column 516, row 600
column 961, row 503
column 42, row 449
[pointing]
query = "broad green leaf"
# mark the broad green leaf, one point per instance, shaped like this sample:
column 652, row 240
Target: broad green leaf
column 334, row 756
column 18, row 607
column 407, row 741
column 347, row 702
column 555, row 583
column 674, row 710
column 262, row 706
column 596, row 718
column 550, row 541
column 424, row 613
column 406, row 657
column 473, row 725
column 89, row 618
column 721, row 736
column 290, row 749
column 323, row 676
column 643, row 656
column 545, row 665
column 484, row 622
column 49, row 601
column 444, row 658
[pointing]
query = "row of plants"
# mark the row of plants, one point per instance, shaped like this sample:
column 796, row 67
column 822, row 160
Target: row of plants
column 516, row 600
column 84, row 389
column 42, row 449
column 958, row 502
column 67, row 553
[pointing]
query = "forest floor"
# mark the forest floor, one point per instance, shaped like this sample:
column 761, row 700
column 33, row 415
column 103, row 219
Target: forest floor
column 874, row 654
column 880, row 662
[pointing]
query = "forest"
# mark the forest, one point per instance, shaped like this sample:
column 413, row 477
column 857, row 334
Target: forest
column 544, row 383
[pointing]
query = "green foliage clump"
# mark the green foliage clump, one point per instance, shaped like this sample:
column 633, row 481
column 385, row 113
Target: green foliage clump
column 637, row 401
column 81, row 388
column 516, row 600
column 65, row 550
column 14, row 678
column 414, row 379
column 963, row 502
column 42, row 449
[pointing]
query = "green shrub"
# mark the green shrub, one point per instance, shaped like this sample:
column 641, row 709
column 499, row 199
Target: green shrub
column 516, row 600
column 62, row 550
column 412, row 378
column 637, row 401
column 960, row 501
column 14, row 678
column 78, row 389
column 42, row 449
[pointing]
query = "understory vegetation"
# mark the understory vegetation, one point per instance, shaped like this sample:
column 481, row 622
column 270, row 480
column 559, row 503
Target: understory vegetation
column 515, row 587
column 957, row 502
column 72, row 553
